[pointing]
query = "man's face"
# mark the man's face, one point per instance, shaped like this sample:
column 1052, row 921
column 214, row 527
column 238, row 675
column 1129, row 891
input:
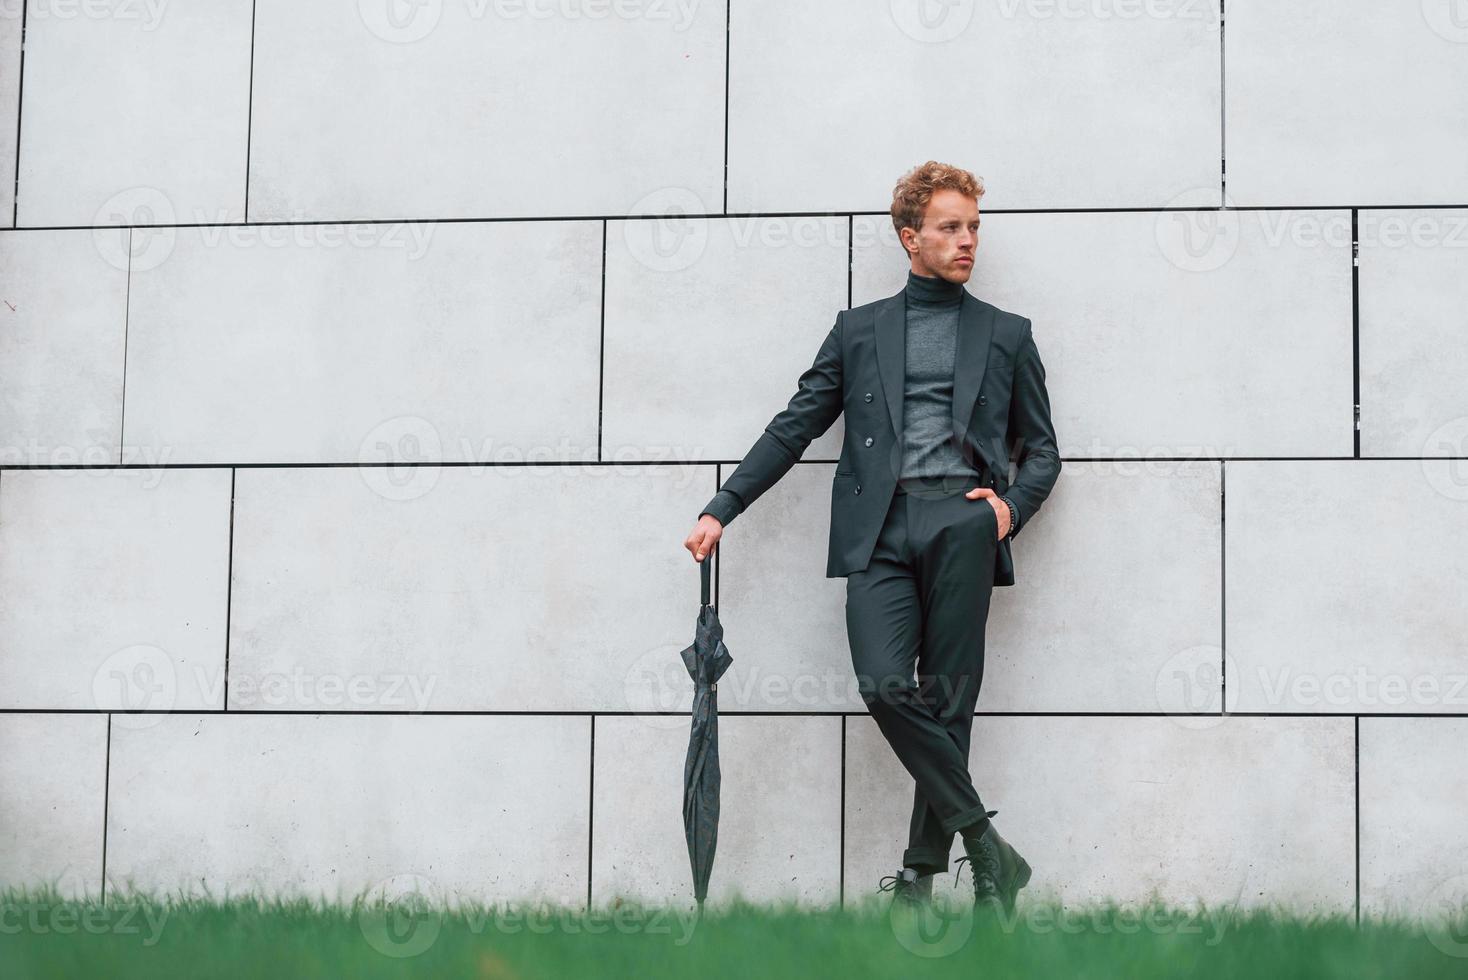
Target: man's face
column 950, row 234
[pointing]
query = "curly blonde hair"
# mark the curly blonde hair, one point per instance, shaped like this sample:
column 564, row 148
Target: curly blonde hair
column 915, row 189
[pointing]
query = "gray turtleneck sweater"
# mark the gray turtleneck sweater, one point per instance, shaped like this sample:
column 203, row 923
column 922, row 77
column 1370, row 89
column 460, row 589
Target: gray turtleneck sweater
column 928, row 446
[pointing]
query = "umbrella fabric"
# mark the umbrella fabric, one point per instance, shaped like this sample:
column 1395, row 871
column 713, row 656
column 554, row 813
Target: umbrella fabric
column 706, row 659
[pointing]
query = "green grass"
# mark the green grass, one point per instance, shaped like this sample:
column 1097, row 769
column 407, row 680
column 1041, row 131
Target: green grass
column 43, row 935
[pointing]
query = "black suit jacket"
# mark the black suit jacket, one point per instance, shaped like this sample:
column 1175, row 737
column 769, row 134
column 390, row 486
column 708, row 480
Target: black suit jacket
column 1001, row 413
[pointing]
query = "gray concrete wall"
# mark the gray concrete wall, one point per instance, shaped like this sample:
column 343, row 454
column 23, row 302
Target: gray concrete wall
column 257, row 254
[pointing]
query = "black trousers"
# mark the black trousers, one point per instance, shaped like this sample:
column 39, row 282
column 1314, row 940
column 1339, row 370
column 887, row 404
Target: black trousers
column 915, row 621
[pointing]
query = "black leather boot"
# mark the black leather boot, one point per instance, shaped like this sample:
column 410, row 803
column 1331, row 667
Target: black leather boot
column 998, row 870
column 908, row 887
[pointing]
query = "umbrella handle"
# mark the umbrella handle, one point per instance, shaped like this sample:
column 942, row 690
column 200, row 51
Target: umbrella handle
column 705, row 569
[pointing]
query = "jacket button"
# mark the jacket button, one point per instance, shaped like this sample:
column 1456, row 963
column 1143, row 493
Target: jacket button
column 867, row 396
column 869, row 440
column 858, row 488
column 983, row 400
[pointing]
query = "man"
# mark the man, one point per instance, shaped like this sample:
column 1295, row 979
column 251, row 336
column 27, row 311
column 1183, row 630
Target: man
column 941, row 390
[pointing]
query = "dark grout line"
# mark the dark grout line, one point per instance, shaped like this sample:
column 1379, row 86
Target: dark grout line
column 1357, row 747
column 1222, row 110
column 663, row 462
column 850, row 256
column 1355, row 336
column 590, row 811
column 229, row 588
column 728, row 5
column 127, row 301
column 1222, row 589
column 718, row 556
column 19, row 108
column 106, row 802
column 250, row 111
column 601, row 354
column 320, row 712
column 446, row 464
column 841, row 870
column 721, row 215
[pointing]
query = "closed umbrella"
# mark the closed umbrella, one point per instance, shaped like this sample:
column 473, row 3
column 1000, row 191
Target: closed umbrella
column 706, row 659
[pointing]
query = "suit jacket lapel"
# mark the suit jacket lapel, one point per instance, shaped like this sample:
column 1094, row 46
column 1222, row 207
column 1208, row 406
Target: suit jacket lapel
column 975, row 330
column 892, row 355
